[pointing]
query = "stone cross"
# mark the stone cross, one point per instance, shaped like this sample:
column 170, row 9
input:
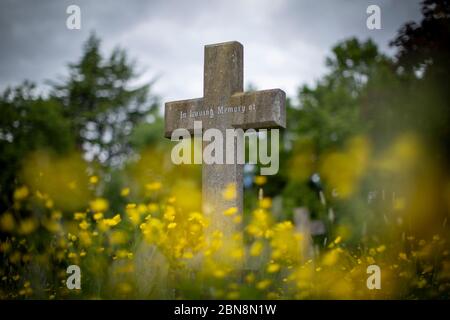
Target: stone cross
column 223, row 88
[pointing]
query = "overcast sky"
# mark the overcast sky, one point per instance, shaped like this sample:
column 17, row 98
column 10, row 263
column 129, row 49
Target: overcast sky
column 285, row 41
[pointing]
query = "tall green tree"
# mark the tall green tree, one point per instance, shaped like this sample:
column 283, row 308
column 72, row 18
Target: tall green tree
column 103, row 104
column 423, row 54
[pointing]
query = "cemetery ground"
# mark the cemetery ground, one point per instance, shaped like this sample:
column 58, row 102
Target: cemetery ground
column 156, row 248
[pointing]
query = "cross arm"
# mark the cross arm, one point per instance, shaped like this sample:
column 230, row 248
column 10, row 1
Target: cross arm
column 269, row 109
column 176, row 115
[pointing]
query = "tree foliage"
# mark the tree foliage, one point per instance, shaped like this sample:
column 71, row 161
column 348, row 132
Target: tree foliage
column 103, row 103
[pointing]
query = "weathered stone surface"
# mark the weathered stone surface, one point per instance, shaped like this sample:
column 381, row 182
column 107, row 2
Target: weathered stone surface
column 222, row 90
column 268, row 112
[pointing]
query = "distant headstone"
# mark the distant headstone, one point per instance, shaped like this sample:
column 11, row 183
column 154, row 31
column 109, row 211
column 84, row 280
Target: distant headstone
column 305, row 224
column 308, row 228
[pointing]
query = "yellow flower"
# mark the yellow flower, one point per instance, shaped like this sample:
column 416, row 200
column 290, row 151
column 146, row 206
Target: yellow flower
column 99, row 205
column 15, row 257
column 381, row 248
column 72, row 255
column 370, row 260
column 98, row 216
column 237, row 253
column 72, row 237
column 265, row 203
column 260, row 223
column 134, row 213
column 21, row 193
column 84, row 225
column 273, row 267
column 72, row 185
column 171, row 225
column 27, row 226
column 233, row 295
column 219, row 273
column 263, row 284
column 230, row 192
column 403, row 256
column 40, row 195
column 399, row 204
column 113, row 221
column 421, row 283
column 121, row 254
column 85, row 238
column 5, row 247
column 154, row 186
column 256, row 248
column 79, row 215
column 125, row 192
column 152, row 207
column 56, row 215
column 250, row 278
column 171, row 200
column 268, row 234
column 337, row 240
column 230, row 211
column 7, row 222
column 116, row 219
column 49, row 203
column 260, row 180
column 93, row 180
column 118, row 237
column 330, row 258
column 169, row 213
column 142, row 208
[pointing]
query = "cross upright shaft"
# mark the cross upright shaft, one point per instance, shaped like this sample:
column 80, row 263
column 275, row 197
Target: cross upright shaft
column 223, row 76
column 223, row 72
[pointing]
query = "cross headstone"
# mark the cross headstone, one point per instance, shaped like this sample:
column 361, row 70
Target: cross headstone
column 222, row 88
column 308, row 228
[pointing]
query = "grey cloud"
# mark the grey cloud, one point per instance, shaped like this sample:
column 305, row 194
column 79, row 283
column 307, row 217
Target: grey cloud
column 285, row 41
